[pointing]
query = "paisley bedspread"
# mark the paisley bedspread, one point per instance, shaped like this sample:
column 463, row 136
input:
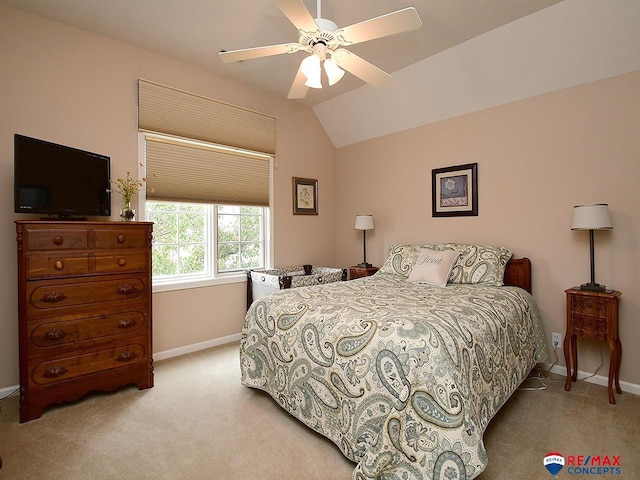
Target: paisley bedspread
column 403, row 377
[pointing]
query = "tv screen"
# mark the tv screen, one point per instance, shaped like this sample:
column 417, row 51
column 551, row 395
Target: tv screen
column 59, row 181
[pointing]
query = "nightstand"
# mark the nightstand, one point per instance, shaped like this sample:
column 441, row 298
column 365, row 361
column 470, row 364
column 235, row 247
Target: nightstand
column 359, row 272
column 593, row 315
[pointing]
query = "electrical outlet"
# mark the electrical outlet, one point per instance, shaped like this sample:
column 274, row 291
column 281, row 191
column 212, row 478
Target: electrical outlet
column 556, row 340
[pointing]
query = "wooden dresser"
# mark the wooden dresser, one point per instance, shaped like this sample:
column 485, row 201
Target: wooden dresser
column 84, row 306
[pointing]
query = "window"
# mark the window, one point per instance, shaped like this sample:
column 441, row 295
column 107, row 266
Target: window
column 239, row 238
column 193, row 242
column 199, row 235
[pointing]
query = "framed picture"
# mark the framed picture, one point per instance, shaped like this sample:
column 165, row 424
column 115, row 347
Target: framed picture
column 305, row 196
column 454, row 191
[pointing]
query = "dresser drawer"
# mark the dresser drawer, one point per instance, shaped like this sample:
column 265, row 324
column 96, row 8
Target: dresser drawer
column 590, row 306
column 43, row 296
column 43, row 265
column 590, row 327
column 63, row 331
column 56, row 239
column 49, row 371
column 130, row 237
column 127, row 261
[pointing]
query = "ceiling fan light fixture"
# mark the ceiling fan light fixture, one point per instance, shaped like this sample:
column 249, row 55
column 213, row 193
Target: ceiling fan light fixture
column 310, row 67
column 319, row 36
column 333, row 71
column 314, row 82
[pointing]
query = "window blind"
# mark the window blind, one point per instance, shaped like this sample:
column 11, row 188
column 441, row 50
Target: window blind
column 166, row 110
column 187, row 154
column 183, row 171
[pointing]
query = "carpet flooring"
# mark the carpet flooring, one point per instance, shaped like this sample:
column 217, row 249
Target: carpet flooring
column 198, row 422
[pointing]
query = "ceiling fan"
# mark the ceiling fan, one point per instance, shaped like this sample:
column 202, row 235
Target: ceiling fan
column 322, row 39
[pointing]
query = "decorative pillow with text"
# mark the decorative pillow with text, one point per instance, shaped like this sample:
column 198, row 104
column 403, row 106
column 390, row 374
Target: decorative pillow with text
column 401, row 258
column 433, row 267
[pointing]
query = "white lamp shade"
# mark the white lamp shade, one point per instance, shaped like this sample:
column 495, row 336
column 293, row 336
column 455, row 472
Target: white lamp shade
column 364, row 222
column 591, row 217
column 311, row 69
column 334, row 72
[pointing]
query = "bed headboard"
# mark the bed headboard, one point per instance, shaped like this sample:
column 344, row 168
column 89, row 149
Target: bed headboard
column 518, row 273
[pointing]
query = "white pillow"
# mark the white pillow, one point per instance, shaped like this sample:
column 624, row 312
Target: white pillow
column 433, row 266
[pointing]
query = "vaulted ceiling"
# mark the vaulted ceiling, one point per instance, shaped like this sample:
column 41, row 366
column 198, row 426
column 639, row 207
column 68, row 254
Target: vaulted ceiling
column 194, row 31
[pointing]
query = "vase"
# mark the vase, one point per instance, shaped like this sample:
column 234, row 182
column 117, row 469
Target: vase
column 128, row 214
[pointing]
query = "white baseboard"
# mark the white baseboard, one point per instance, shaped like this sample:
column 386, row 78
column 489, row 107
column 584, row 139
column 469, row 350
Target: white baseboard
column 6, row 391
column 597, row 379
column 176, row 352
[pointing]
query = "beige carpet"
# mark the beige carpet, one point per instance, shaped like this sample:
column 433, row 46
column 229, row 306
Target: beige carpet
column 198, row 422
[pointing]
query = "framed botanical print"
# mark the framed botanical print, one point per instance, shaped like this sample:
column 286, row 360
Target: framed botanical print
column 454, row 191
column 305, row 196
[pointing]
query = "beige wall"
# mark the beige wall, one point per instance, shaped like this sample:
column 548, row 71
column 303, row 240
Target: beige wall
column 75, row 88
column 536, row 159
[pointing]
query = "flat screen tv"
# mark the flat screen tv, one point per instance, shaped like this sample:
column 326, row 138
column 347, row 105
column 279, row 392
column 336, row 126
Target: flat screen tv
column 58, row 181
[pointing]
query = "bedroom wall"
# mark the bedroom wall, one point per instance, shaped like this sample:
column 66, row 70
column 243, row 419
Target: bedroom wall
column 75, row 88
column 537, row 158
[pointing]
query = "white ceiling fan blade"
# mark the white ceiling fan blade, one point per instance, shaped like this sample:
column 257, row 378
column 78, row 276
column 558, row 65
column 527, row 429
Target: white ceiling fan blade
column 389, row 24
column 297, row 13
column 257, row 52
column 362, row 69
column 298, row 88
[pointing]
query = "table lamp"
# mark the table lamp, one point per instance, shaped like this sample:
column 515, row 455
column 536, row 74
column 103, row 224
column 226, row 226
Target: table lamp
column 591, row 217
column 364, row 223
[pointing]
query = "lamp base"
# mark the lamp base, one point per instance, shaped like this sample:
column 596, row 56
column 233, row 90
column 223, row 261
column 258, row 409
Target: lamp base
column 593, row 287
column 364, row 265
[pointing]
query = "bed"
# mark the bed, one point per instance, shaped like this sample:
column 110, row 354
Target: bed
column 402, row 375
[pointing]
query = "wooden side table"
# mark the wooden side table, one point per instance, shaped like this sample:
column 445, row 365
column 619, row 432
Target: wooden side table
column 359, row 272
column 593, row 315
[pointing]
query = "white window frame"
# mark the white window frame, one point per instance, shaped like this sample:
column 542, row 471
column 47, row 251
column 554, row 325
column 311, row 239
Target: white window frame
column 212, row 278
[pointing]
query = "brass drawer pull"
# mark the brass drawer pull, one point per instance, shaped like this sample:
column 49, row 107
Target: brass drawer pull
column 58, row 240
column 126, row 356
column 122, row 262
column 126, row 323
column 54, row 371
column 55, row 334
column 126, row 289
column 59, row 265
column 53, row 297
